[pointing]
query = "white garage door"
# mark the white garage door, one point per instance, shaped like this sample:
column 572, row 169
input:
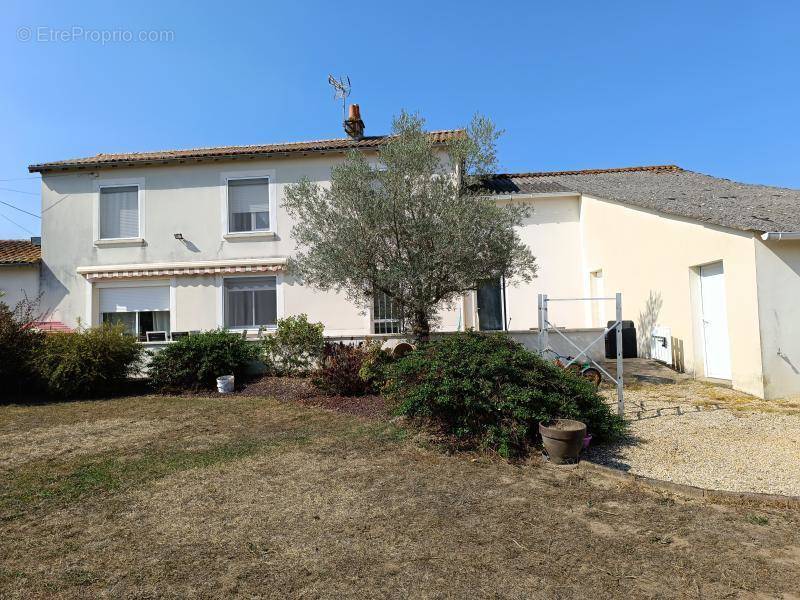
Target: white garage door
column 715, row 322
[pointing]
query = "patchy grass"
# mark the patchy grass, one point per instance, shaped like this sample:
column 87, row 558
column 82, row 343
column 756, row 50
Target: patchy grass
column 251, row 497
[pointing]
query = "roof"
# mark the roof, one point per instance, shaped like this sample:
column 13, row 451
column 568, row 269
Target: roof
column 52, row 326
column 19, row 252
column 130, row 159
column 667, row 189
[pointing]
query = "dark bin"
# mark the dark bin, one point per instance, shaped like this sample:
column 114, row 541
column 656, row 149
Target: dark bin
column 628, row 341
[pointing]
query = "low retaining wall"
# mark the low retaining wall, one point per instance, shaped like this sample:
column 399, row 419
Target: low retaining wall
column 527, row 337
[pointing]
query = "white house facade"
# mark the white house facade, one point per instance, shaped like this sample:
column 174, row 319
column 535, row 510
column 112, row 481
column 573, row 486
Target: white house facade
column 169, row 243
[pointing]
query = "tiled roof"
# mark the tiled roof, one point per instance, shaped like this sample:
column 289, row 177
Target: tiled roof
column 52, row 326
column 15, row 252
column 667, row 189
column 228, row 152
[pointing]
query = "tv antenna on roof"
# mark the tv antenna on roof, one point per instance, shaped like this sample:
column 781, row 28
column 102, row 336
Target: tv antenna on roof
column 341, row 90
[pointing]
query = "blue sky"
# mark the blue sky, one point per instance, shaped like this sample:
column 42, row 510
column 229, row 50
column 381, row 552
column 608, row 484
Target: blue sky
column 711, row 86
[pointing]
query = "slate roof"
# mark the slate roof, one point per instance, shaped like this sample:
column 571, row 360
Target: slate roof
column 19, row 252
column 667, row 189
column 228, row 152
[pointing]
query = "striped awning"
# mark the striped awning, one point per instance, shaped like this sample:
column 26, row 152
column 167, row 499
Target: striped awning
column 104, row 273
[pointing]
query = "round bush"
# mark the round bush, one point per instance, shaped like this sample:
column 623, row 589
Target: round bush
column 489, row 391
column 195, row 362
column 295, row 348
column 88, row 363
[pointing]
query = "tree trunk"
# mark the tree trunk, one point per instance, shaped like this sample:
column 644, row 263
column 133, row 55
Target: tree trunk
column 421, row 327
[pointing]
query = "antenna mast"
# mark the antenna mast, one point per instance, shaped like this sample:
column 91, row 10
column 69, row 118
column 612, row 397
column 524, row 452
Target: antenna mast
column 341, row 90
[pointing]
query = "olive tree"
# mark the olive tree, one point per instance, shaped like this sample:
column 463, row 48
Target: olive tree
column 411, row 225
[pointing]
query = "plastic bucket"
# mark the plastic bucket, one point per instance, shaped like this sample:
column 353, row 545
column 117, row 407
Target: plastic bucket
column 225, row 384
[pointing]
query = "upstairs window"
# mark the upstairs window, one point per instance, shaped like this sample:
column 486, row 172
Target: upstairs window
column 387, row 315
column 119, row 212
column 251, row 302
column 248, row 205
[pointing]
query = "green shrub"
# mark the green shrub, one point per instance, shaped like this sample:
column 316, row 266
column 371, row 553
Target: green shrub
column 375, row 365
column 19, row 343
column 88, row 363
column 488, row 391
column 295, row 348
column 339, row 375
column 195, row 362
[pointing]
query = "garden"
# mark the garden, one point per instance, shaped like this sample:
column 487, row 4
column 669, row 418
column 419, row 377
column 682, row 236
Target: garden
column 469, row 391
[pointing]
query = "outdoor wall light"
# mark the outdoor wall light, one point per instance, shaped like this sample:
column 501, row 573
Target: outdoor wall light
column 179, row 236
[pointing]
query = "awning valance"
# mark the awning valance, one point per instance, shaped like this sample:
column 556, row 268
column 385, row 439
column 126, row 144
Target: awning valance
column 141, row 271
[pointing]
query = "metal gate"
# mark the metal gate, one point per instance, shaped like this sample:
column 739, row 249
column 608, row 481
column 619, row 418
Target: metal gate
column 546, row 327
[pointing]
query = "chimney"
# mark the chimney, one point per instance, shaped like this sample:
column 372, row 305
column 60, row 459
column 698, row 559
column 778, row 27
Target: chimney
column 354, row 126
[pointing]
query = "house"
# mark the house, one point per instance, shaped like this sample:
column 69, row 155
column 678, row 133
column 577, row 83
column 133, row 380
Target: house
column 19, row 270
column 177, row 241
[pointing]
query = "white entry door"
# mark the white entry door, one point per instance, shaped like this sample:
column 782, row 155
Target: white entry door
column 715, row 322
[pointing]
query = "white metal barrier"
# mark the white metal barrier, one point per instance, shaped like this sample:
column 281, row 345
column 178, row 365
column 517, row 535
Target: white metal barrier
column 545, row 327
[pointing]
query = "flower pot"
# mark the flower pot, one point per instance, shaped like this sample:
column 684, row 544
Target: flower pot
column 563, row 440
column 225, row 384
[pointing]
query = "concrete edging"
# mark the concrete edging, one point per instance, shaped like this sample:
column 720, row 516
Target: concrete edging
column 694, row 491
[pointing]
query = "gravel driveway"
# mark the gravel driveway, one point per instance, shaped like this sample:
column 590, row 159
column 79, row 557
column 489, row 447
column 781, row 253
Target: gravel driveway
column 694, row 433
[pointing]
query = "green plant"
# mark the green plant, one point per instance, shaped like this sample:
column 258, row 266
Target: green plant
column 488, row 391
column 19, row 343
column 374, row 365
column 90, row 362
column 295, row 348
column 195, row 362
column 339, row 375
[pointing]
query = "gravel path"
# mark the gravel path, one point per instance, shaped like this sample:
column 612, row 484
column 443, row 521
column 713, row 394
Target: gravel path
column 693, row 433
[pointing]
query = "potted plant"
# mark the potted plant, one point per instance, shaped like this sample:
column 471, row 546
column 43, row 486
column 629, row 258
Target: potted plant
column 563, row 440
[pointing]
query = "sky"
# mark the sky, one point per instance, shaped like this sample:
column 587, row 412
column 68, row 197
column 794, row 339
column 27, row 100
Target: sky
column 711, row 86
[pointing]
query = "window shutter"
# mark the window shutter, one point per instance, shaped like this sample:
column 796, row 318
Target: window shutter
column 247, row 196
column 134, row 299
column 119, row 212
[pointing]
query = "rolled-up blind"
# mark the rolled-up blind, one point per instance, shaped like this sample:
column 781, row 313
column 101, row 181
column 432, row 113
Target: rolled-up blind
column 248, row 195
column 134, row 299
column 119, row 212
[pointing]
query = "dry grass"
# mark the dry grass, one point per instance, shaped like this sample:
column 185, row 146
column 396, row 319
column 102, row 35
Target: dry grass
column 250, row 497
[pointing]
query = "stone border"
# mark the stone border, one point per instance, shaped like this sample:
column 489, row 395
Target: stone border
column 694, row 491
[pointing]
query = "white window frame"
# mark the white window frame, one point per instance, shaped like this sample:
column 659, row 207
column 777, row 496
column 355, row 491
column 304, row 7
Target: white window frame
column 99, row 184
column 269, row 175
column 95, row 317
column 403, row 326
column 279, row 301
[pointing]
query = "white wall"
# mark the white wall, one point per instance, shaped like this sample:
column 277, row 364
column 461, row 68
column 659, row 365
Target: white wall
column 778, row 266
column 18, row 282
column 653, row 259
column 177, row 199
column 553, row 233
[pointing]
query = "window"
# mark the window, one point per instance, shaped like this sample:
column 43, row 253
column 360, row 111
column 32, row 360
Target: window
column 387, row 315
column 251, row 302
column 248, row 205
column 141, row 310
column 119, row 212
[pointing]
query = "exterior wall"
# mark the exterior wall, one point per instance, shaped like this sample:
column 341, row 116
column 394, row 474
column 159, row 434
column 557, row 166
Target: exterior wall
column 778, row 269
column 653, row 260
column 553, row 232
column 17, row 282
column 177, row 199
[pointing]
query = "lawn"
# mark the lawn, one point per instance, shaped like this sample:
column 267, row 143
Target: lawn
column 255, row 497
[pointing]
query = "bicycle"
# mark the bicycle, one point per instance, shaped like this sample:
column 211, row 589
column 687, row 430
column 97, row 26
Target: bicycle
column 582, row 368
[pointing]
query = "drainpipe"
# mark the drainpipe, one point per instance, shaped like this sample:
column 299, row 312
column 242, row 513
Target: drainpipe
column 780, row 235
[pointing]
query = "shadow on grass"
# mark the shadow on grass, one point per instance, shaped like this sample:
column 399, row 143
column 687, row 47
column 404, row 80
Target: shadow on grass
column 133, row 387
column 45, row 486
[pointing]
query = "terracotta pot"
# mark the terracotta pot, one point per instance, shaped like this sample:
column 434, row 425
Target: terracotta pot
column 563, row 440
